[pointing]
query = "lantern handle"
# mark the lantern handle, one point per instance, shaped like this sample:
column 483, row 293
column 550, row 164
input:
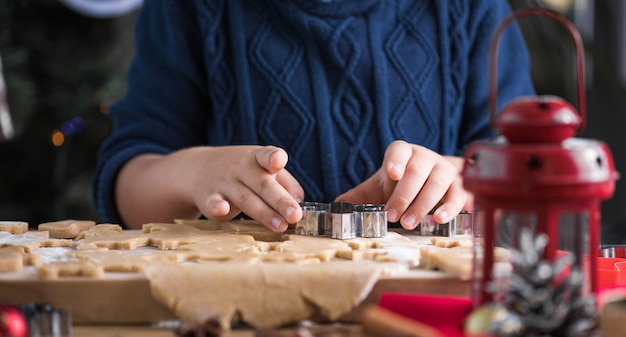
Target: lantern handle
column 493, row 55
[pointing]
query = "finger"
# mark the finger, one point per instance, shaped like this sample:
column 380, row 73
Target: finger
column 406, row 190
column 217, row 208
column 396, row 159
column 272, row 158
column 432, row 192
column 273, row 194
column 452, row 203
column 257, row 208
column 457, row 193
column 289, row 183
column 280, row 190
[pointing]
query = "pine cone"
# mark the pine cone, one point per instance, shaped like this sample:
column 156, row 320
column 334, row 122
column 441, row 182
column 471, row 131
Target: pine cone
column 546, row 295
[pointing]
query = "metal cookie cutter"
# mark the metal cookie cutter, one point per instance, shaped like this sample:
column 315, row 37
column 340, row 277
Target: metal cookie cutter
column 44, row 320
column 371, row 221
column 342, row 224
column 314, row 219
column 459, row 225
column 464, row 223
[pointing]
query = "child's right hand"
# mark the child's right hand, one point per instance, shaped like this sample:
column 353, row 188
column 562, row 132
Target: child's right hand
column 252, row 180
column 217, row 182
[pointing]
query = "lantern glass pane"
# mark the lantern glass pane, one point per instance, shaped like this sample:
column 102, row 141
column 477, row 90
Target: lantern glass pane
column 574, row 239
column 555, row 232
column 510, row 224
column 574, row 235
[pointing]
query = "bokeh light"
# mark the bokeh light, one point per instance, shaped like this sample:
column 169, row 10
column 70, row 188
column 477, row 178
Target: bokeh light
column 68, row 128
column 57, row 138
column 74, row 126
column 104, row 107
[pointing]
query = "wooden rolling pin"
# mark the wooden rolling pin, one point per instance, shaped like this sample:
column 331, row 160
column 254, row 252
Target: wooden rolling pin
column 378, row 321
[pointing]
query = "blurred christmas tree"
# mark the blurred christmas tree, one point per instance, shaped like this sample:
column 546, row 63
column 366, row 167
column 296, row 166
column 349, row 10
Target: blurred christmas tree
column 61, row 69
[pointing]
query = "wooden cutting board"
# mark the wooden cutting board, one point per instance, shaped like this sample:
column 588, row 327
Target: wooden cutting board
column 125, row 298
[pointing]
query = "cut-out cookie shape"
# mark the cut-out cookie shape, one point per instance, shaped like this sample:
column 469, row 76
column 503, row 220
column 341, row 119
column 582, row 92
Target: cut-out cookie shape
column 112, row 260
column 14, row 227
column 312, row 247
column 66, row 229
column 247, row 227
column 392, row 239
column 111, row 237
column 450, row 242
column 11, row 260
column 100, row 230
column 54, row 270
column 457, row 260
column 31, row 241
column 170, row 236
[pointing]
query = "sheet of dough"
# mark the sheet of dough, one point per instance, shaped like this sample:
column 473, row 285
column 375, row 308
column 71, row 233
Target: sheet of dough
column 262, row 295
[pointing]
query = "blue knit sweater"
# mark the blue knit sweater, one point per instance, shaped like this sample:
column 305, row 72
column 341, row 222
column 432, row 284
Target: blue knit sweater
column 332, row 82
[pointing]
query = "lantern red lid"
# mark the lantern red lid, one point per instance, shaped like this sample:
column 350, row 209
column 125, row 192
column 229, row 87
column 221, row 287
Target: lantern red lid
column 537, row 156
column 538, row 120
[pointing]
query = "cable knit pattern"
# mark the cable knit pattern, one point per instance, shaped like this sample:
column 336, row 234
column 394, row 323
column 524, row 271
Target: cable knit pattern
column 334, row 83
column 221, row 80
column 413, row 56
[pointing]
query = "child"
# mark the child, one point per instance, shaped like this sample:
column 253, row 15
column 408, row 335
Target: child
column 240, row 106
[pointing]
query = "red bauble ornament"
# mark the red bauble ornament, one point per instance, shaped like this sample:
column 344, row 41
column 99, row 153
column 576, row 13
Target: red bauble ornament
column 12, row 322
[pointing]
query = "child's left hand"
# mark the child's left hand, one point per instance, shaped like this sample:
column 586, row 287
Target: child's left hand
column 412, row 182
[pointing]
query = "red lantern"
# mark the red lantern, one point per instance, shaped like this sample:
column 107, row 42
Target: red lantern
column 537, row 175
